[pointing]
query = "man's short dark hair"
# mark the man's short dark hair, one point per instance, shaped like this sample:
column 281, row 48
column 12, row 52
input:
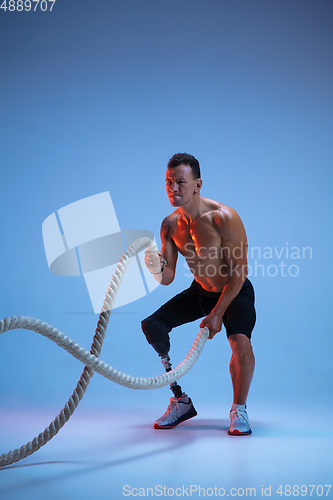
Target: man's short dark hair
column 186, row 159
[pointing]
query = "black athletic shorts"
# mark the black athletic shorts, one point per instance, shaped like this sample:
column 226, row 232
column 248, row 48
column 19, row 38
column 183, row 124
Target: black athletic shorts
column 196, row 302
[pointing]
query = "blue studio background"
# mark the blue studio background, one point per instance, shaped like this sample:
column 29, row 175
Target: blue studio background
column 97, row 96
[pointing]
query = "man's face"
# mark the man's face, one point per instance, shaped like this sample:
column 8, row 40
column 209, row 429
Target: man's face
column 180, row 185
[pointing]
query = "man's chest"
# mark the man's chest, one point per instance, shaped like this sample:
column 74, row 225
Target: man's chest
column 199, row 236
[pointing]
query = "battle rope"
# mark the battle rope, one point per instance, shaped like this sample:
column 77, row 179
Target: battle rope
column 91, row 359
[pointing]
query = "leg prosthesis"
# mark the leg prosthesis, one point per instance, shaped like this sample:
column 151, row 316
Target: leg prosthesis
column 157, row 334
column 180, row 406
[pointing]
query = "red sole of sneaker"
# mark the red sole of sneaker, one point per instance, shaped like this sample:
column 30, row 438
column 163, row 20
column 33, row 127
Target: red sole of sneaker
column 237, row 433
column 170, row 427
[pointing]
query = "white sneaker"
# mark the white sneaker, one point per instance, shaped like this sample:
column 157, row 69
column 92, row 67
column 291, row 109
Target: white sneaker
column 239, row 423
column 179, row 410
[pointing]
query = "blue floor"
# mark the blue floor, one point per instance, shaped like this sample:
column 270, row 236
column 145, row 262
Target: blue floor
column 118, row 454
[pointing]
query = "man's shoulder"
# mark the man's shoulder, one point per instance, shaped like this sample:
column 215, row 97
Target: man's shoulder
column 225, row 219
column 171, row 219
column 219, row 212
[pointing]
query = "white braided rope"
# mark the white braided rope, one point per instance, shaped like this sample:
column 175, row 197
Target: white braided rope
column 91, row 359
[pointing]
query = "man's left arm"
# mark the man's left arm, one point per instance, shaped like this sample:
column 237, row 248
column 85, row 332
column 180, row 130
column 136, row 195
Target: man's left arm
column 234, row 244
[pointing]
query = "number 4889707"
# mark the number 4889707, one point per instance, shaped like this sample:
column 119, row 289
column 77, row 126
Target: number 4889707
column 20, row 5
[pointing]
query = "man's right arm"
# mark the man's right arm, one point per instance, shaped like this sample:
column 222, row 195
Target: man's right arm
column 168, row 254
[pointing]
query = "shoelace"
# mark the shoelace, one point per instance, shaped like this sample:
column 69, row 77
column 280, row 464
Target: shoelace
column 172, row 404
column 238, row 414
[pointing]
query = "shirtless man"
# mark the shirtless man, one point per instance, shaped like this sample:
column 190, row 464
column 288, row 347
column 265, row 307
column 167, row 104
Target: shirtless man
column 212, row 239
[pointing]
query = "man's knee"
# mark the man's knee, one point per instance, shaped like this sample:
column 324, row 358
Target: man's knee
column 156, row 334
column 241, row 347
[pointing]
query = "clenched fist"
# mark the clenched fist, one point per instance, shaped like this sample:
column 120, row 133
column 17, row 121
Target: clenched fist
column 154, row 261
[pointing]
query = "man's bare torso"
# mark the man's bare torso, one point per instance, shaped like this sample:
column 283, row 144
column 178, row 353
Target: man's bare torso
column 200, row 242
